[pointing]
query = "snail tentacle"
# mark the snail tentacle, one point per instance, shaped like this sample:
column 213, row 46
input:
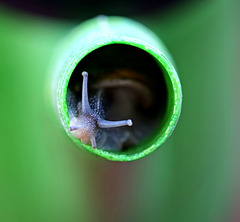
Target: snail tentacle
column 93, row 142
column 110, row 124
column 99, row 99
column 85, row 103
column 72, row 128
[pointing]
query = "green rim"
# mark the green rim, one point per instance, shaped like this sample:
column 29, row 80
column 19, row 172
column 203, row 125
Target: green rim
column 174, row 98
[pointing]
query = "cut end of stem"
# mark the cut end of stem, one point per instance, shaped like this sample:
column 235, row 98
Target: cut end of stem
column 131, row 80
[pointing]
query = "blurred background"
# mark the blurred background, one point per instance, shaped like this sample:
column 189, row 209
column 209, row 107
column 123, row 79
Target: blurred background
column 193, row 177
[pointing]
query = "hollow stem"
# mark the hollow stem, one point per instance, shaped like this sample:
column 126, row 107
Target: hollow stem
column 84, row 42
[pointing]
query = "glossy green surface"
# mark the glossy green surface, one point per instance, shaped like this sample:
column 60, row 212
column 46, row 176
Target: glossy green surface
column 103, row 31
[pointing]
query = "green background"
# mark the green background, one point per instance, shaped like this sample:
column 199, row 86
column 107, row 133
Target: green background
column 193, row 177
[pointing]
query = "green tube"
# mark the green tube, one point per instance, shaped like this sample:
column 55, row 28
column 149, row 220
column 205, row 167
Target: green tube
column 117, row 35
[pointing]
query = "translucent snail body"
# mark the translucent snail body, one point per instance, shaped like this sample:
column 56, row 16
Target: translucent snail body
column 85, row 125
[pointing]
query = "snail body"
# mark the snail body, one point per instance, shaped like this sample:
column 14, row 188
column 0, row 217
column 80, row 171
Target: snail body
column 85, row 125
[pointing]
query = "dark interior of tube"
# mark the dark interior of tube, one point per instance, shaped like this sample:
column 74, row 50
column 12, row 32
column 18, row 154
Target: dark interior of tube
column 124, row 82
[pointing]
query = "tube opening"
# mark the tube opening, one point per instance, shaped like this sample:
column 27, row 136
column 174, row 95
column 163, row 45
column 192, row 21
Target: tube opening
column 124, row 82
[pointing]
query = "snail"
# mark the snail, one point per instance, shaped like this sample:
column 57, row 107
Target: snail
column 118, row 93
column 85, row 124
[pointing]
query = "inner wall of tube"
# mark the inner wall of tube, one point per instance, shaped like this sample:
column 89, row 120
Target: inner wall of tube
column 124, row 82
